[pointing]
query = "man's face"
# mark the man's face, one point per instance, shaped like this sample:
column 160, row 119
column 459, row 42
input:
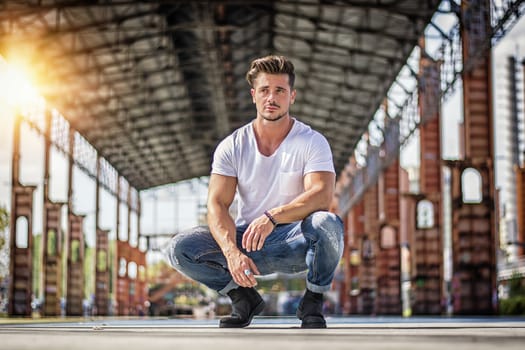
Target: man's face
column 272, row 95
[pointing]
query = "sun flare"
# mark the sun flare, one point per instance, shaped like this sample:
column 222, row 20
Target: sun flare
column 18, row 93
column 16, row 86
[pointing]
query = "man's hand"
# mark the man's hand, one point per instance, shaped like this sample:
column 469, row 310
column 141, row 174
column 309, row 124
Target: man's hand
column 256, row 233
column 239, row 264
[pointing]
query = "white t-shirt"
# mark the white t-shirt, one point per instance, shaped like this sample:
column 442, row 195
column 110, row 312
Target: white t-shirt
column 267, row 182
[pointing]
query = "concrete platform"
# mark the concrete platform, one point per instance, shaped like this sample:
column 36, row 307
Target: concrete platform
column 265, row 333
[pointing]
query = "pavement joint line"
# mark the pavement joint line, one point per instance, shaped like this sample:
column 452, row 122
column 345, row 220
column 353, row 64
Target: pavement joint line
column 370, row 323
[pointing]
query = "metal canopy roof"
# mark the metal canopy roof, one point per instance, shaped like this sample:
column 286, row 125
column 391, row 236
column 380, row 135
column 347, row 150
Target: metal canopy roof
column 155, row 85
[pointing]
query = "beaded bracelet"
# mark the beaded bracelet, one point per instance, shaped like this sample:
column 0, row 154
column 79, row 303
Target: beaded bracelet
column 269, row 216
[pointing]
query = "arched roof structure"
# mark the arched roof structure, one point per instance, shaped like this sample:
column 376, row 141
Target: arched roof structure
column 155, row 85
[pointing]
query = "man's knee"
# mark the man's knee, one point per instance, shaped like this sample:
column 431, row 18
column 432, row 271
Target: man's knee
column 186, row 246
column 175, row 249
column 323, row 222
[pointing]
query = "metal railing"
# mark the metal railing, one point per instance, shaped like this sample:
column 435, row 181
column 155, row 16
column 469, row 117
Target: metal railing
column 512, row 269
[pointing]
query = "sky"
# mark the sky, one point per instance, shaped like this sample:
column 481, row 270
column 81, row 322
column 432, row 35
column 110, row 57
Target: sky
column 171, row 208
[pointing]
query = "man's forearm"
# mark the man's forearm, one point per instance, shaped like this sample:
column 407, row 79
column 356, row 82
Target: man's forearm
column 299, row 208
column 318, row 196
column 223, row 229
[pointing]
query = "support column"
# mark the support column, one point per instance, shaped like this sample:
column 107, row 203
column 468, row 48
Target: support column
column 75, row 265
column 427, row 248
column 131, row 258
column 356, row 229
column 21, row 236
column 135, row 283
column 406, row 233
column 473, row 218
column 368, row 270
column 122, row 279
column 51, row 237
column 142, row 288
column 102, row 273
column 520, row 209
column 121, row 263
column 389, row 253
column 124, row 254
column 520, row 196
column 75, row 244
column 101, row 256
column 349, row 288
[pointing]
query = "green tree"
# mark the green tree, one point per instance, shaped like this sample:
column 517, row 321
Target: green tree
column 4, row 223
column 89, row 271
column 515, row 304
column 4, row 253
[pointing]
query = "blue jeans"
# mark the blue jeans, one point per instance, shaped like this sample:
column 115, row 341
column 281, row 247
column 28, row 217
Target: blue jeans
column 314, row 244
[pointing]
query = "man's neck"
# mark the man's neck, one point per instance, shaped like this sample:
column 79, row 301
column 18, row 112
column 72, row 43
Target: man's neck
column 270, row 134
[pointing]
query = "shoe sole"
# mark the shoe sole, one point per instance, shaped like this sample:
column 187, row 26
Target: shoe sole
column 313, row 325
column 311, row 321
column 257, row 310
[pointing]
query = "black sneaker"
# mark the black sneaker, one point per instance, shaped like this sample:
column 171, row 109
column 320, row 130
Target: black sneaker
column 246, row 303
column 310, row 310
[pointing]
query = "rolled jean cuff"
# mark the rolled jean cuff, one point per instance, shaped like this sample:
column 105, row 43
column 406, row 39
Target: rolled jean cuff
column 231, row 285
column 317, row 289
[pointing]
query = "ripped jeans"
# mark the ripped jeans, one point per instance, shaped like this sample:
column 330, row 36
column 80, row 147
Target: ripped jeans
column 314, row 244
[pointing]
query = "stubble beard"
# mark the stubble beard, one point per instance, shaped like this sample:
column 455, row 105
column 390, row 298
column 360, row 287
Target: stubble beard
column 279, row 117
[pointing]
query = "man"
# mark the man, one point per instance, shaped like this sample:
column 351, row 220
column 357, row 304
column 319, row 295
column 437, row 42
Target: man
column 282, row 174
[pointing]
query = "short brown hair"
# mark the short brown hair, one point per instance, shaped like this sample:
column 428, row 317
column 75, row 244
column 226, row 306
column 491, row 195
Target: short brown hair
column 272, row 65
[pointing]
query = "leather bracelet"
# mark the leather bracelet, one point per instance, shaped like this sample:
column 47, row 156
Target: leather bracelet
column 269, row 216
